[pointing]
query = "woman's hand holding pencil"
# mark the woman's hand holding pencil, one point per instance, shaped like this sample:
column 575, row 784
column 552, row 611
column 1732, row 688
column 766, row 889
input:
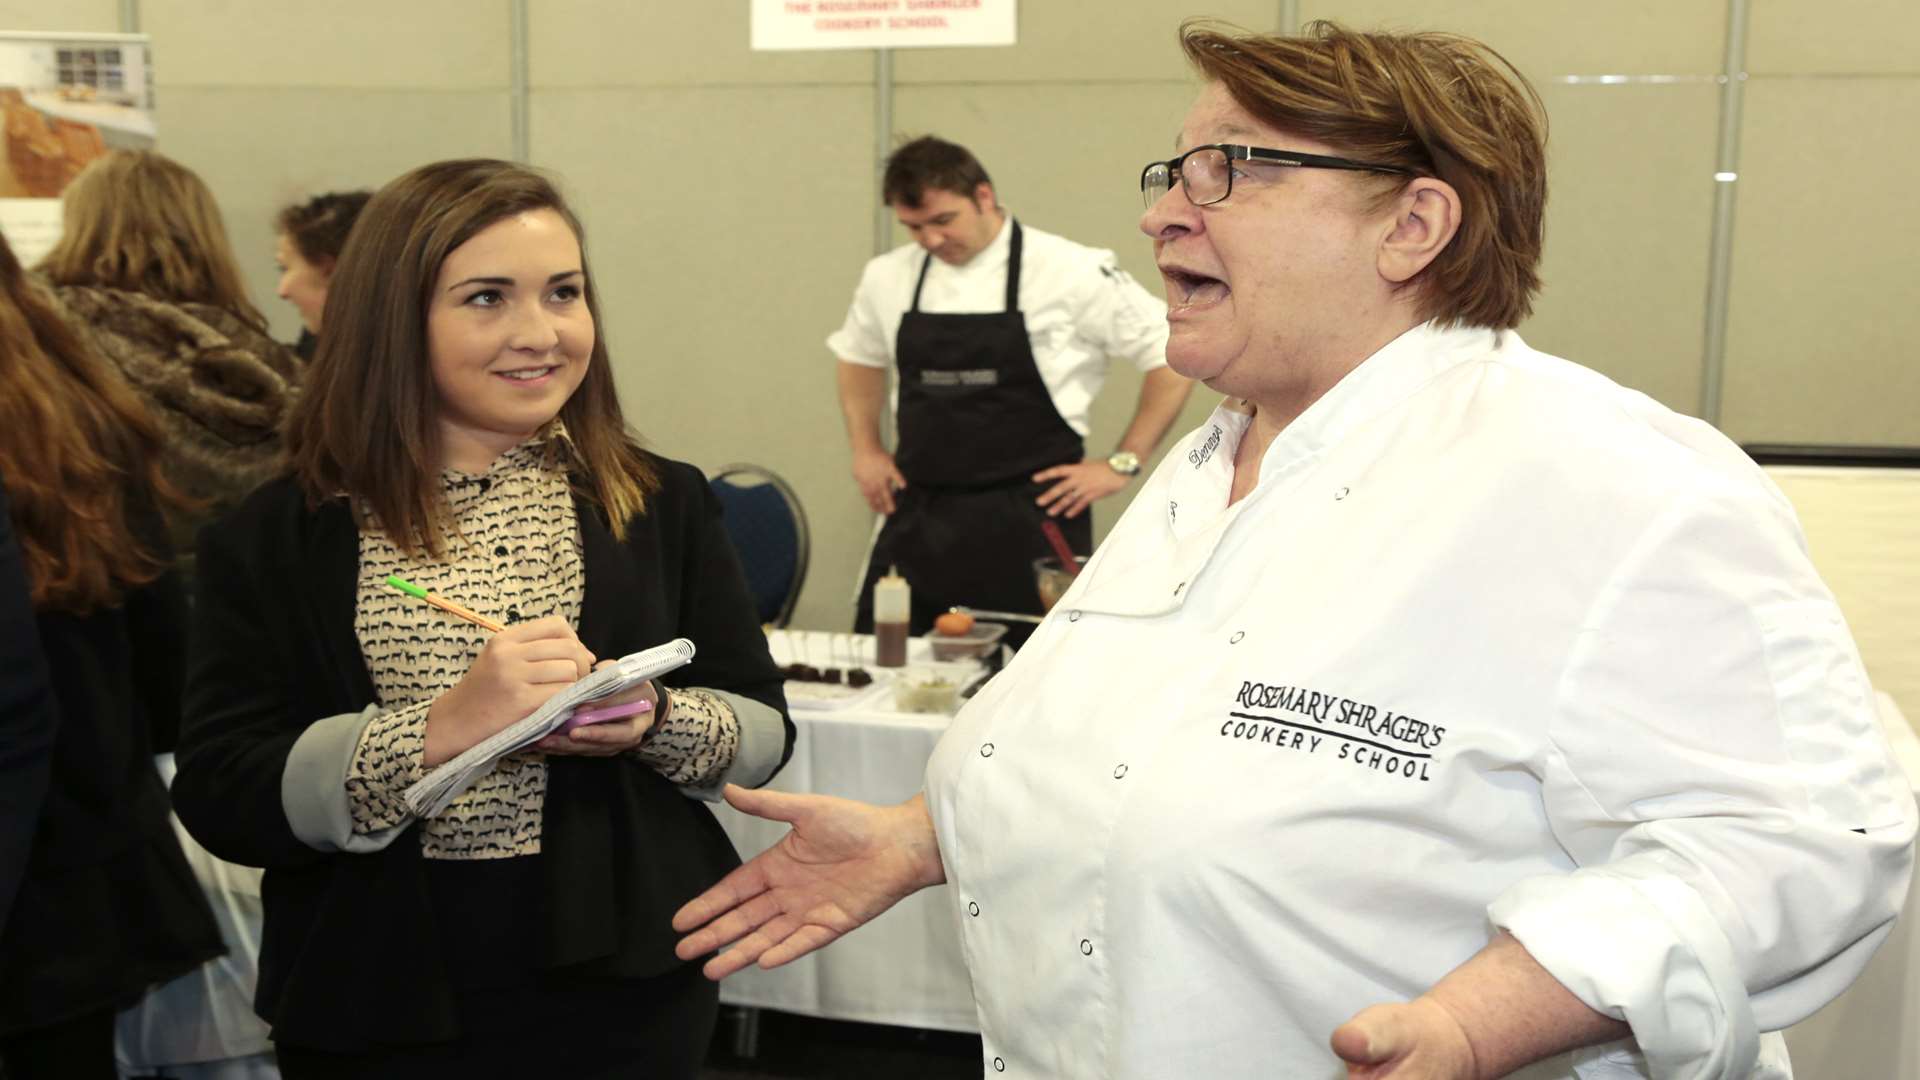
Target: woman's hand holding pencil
column 517, row 670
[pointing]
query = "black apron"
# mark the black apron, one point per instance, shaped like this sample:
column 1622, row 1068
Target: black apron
column 975, row 422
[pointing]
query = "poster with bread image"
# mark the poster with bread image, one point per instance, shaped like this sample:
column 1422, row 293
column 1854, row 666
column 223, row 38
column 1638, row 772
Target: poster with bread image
column 65, row 99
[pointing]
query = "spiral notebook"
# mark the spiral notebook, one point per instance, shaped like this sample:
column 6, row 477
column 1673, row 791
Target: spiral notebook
column 434, row 791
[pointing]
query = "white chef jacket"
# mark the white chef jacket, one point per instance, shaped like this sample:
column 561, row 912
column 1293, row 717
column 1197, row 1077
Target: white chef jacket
column 1493, row 640
column 1081, row 309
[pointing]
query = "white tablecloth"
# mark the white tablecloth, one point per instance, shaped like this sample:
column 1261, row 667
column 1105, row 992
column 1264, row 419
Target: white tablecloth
column 905, row 967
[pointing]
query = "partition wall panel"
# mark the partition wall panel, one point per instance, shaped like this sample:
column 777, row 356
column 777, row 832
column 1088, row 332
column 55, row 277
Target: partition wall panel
column 66, row 16
column 727, row 226
column 1629, row 223
column 594, row 43
column 1127, row 42
column 362, row 44
column 1834, row 37
column 271, row 103
column 1547, row 38
column 1824, row 317
column 1823, row 342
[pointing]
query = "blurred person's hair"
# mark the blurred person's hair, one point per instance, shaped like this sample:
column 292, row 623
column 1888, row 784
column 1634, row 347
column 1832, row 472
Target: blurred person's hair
column 1441, row 105
column 141, row 222
column 930, row 164
column 79, row 455
column 319, row 226
column 367, row 422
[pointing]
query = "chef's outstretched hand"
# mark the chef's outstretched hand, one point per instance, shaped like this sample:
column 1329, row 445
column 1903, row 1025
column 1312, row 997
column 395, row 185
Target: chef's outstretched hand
column 843, row 863
column 1077, row 486
column 1418, row 1040
column 878, row 478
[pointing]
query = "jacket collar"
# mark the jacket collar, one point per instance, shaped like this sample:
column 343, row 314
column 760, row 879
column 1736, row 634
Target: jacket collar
column 1150, row 575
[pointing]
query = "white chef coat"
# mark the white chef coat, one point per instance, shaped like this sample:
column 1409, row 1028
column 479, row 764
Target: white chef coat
column 1493, row 640
column 1081, row 310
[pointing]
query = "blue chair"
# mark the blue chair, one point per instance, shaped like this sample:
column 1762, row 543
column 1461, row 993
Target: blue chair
column 769, row 533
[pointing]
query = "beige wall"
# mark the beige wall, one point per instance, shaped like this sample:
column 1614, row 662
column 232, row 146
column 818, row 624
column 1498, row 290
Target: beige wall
column 67, row 16
column 729, row 195
column 1863, row 531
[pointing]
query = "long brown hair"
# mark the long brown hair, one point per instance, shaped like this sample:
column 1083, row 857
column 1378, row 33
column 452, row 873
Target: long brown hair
column 74, row 443
column 141, row 222
column 1435, row 104
column 367, row 424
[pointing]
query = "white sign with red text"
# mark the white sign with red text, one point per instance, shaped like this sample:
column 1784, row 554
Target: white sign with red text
column 881, row 24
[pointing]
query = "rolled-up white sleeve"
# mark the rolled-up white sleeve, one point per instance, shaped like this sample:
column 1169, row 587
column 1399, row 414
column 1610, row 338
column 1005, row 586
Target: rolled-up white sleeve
column 863, row 338
column 1743, row 836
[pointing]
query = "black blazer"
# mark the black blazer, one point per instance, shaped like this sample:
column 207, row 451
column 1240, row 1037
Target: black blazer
column 351, row 956
column 28, row 715
column 108, row 905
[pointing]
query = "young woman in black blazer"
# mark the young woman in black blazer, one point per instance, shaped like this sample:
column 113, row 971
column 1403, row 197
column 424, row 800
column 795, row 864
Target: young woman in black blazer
column 459, row 427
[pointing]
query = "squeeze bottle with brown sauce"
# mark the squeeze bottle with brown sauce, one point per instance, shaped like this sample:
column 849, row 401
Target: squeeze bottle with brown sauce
column 892, row 607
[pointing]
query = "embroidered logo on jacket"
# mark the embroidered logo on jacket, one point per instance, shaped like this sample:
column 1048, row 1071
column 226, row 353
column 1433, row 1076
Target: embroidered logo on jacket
column 1312, row 722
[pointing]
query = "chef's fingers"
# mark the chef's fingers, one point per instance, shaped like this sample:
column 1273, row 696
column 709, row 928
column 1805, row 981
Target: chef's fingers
column 741, row 955
column 798, row 944
column 770, row 804
column 1058, row 491
column 730, row 927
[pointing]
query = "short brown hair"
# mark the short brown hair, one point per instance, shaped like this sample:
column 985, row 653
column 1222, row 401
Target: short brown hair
column 1440, row 105
column 930, row 164
column 141, row 222
column 319, row 226
column 80, row 454
column 367, row 425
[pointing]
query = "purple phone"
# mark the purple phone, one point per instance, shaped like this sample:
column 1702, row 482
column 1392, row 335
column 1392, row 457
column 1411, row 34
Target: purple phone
column 587, row 715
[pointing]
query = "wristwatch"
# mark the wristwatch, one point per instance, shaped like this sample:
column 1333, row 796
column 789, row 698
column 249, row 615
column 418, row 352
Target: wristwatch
column 1124, row 462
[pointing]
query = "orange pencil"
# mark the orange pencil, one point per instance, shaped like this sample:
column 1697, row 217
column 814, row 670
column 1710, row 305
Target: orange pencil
column 445, row 605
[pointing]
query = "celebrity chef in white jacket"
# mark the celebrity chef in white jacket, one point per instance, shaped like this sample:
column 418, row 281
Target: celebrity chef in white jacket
column 1439, row 708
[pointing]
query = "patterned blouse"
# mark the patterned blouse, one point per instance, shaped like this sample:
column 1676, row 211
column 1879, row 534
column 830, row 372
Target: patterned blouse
column 514, row 555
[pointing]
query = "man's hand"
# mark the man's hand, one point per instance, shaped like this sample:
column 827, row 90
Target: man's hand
column 1078, row 486
column 1419, row 1040
column 878, row 478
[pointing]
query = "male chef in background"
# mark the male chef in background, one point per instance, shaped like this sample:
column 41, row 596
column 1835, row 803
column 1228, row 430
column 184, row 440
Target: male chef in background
column 1000, row 336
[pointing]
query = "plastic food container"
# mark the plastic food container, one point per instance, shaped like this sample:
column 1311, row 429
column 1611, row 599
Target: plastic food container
column 981, row 639
column 923, row 690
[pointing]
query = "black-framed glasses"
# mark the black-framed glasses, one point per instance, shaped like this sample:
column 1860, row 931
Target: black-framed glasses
column 1205, row 173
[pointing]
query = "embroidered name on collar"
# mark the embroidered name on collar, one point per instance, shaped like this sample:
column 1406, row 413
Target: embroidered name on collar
column 1198, row 457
